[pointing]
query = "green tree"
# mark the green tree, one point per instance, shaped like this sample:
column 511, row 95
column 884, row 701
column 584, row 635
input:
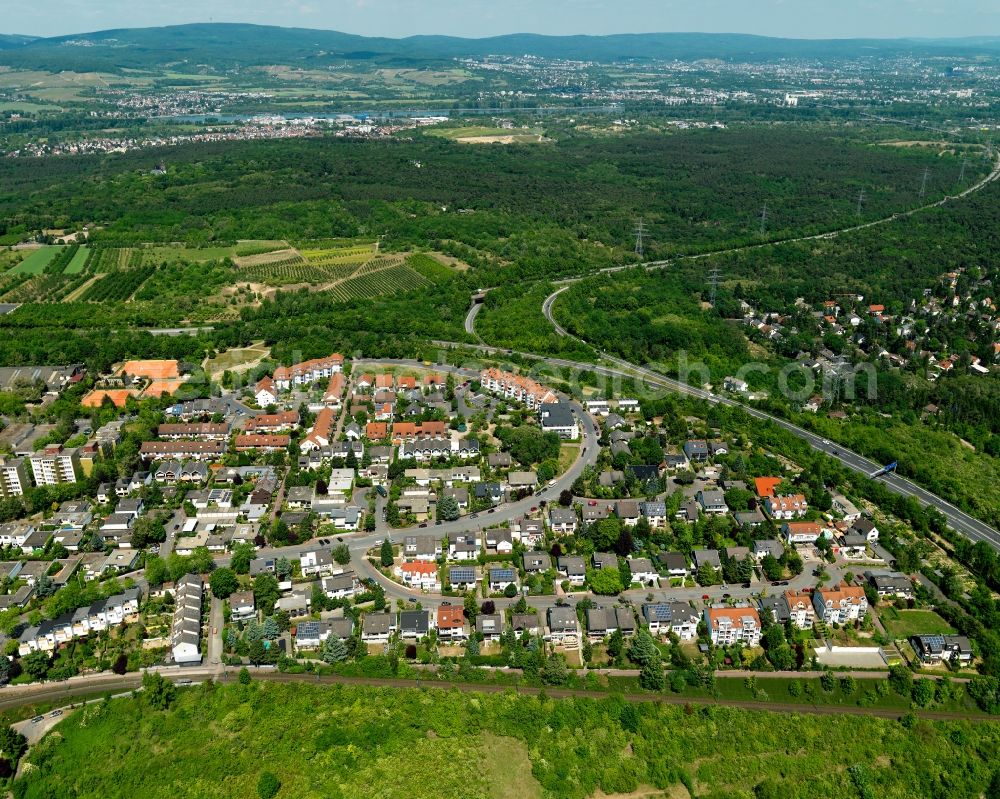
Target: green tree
column 616, row 644
column 156, row 570
column 923, row 692
column 12, row 744
column 266, row 591
column 271, row 628
column 606, row 581
column 651, row 676
column 554, row 672
column 901, row 680
column 447, row 509
column 35, row 664
column 243, row 553
column 386, row 554
column 342, row 554
column 334, row 650
column 223, row 583
column 245, row 678
column 158, row 691
column 643, row 648
column 268, row 785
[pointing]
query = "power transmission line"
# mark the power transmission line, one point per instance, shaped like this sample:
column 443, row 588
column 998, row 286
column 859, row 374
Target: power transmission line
column 763, row 218
column 861, row 201
column 923, row 183
column 640, row 230
column 713, row 283
column 961, row 174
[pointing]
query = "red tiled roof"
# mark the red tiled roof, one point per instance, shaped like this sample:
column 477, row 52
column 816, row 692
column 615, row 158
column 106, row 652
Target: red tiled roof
column 766, row 485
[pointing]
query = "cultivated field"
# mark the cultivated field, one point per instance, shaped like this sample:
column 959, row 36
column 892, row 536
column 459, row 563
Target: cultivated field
column 35, row 263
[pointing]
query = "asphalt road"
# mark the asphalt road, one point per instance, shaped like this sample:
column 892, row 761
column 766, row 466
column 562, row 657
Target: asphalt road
column 960, row 521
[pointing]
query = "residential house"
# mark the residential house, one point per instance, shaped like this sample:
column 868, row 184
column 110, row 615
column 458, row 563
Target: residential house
column 420, row 574
column 490, row 626
column 414, row 624
column 763, row 547
column 727, row 626
column 643, row 571
column 265, row 392
column 712, row 501
column 933, row 649
column 786, row 507
column 574, row 568
column 557, row 417
column 562, row 520
column 500, row 577
column 451, row 623
column 462, row 578
column 654, row 512
column 845, row 508
column 500, row 540
column 602, row 622
column 866, row 528
column 463, row 546
column 378, row 627
column 604, row 560
column 316, row 561
column 696, row 451
column 840, row 604
column 675, row 564
column 801, row 532
column 563, row 627
column 890, row 584
column 800, row 609
column 664, row 618
column 242, row 607
column 709, row 556
column 421, row 547
column 340, row 586
column 185, row 632
column 627, row 510
column 536, row 562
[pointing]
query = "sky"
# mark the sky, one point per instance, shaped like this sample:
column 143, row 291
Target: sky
column 396, row 18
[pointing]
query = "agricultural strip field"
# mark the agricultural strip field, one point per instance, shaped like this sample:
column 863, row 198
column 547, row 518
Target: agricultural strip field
column 119, row 286
column 373, row 284
column 35, row 263
column 79, row 261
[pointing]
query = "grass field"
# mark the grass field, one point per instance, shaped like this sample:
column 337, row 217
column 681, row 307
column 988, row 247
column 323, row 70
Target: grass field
column 75, row 266
column 567, row 454
column 904, row 623
column 164, row 255
column 237, row 360
column 35, row 263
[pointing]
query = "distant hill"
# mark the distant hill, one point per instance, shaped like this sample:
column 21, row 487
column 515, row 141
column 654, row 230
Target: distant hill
column 11, row 40
column 223, row 45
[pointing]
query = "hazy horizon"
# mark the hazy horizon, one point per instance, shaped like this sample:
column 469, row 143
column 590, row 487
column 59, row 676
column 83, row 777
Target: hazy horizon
column 800, row 19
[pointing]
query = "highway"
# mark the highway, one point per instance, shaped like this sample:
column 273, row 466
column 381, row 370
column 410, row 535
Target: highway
column 959, row 520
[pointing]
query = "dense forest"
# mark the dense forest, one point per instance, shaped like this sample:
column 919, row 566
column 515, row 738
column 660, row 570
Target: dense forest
column 549, row 209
